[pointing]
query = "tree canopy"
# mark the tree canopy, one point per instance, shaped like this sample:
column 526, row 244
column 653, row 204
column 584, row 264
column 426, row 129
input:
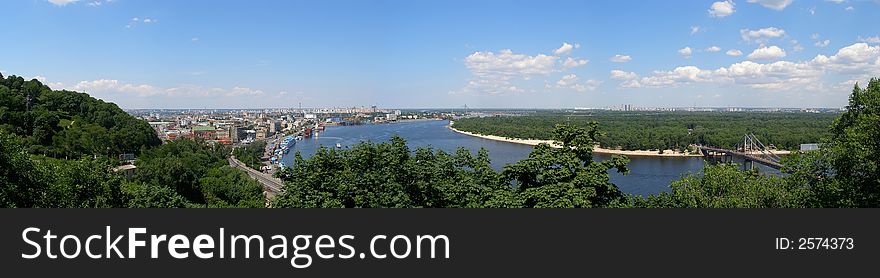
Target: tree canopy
column 391, row 175
column 645, row 130
column 66, row 124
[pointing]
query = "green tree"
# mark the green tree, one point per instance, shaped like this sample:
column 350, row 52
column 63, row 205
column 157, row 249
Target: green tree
column 566, row 176
column 21, row 183
column 845, row 172
column 230, row 187
column 726, row 186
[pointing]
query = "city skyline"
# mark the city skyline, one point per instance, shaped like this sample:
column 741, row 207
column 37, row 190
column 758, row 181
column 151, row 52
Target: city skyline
column 486, row 54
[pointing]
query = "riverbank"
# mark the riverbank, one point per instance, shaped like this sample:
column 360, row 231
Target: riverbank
column 596, row 149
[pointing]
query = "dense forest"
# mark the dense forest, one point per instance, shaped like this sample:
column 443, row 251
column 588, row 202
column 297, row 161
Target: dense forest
column 37, row 172
column 58, row 149
column 664, row 130
column 65, row 124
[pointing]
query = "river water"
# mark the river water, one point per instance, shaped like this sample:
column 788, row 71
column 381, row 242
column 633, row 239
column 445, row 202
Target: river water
column 648, row 175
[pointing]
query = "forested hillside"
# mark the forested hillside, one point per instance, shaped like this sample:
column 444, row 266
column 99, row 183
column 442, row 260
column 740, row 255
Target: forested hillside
column 665, row 130
column 58, row 148
column 66, row 124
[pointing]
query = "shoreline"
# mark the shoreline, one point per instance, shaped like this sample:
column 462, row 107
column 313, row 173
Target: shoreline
column 596, row 149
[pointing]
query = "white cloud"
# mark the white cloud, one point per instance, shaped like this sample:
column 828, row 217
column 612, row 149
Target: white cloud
column 566, row 48
column 589, row 85
column 767, row 53
column 620, row 58
column 815, row 36
column 623, row 75
column 493, row 73
column 859, row 56
column 836, row 1
column 42, row 79
column 243, row 91
column 874, row 39
column 567, row 80
column 858, row 60
column 823, row 43
column 680, row 75
column 734, row 52
column 62, row 2
column 573, row 63
column 114, row 86
column 695, row 29
column 686, row 52
column 507, row 63
column 570, row 81
column 773, row 4
column 195, row 39
column 761, row 35
column 722, row 9
column 850, row 8
column 713, row 49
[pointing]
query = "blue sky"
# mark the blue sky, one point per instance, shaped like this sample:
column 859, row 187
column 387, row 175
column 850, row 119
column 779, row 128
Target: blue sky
column 420, row 54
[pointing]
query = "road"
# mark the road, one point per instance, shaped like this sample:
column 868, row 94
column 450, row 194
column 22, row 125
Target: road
column 271, row 185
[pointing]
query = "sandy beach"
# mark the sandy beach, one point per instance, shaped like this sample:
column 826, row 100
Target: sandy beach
column 596, row 149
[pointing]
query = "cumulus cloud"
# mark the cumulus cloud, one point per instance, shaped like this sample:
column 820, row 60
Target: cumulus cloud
column 850, row 8
column 628, row 79
column 773, row 4
column 623, row 75
column 686, row 52
column 115, row 86
column 573, row 63
column 571, row 81
column 493, row 73
column 722, row 9
column 874, row 39
column 566, row 48
column 567, row 80
column 858, row 60
column 734, row 52
column 713, row 49
column 767, row 53
column 695, row 29
column 508, row 64
column 823, row 43
column 761, row 35
column 620, row 58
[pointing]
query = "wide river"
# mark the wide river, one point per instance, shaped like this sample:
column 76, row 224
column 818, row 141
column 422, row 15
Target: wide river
column 648, row 175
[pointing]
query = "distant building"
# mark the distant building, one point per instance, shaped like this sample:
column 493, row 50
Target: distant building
column 262, row 133
column 204, row 132
column 274, row 127
column 809, row 147
column 391, row 117
column 128, row 170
